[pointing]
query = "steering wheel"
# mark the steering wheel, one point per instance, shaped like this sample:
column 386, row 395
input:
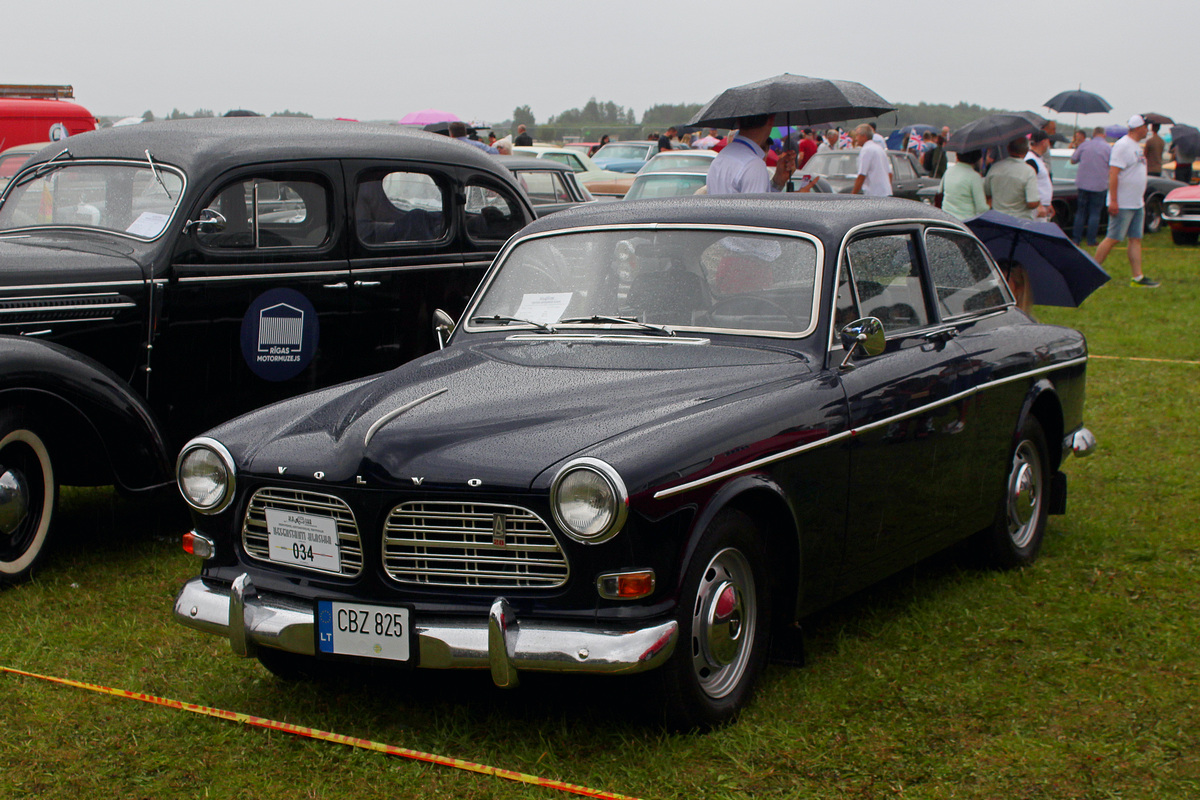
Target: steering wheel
column 736, row 306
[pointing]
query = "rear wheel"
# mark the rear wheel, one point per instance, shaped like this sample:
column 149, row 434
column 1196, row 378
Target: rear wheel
column 28, row 493
column 1016, row 536
column 724, row 620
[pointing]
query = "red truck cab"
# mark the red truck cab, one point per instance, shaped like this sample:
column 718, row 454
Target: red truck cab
column 40, row 114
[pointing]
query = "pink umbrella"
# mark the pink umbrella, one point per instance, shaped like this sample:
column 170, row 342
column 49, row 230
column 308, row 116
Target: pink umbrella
column 427, row 116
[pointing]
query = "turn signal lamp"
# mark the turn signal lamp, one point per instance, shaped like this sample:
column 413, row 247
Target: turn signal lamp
column 626, row 585
column 198, row 545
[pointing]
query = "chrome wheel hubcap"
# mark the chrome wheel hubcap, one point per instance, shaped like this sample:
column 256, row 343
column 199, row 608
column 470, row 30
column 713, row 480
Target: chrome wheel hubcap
column 723, row 622
column 14, row 501
column 1024, row 494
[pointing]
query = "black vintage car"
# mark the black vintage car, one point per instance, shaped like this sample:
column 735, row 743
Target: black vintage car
column 661, row 433
column 157, row 279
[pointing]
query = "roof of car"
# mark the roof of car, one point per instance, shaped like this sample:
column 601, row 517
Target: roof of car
column 528, row 162
column 222, row 142
column 829, row 216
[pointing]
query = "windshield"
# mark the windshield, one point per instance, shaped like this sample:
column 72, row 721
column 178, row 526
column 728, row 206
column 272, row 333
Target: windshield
column 1061, row 167
column 121, row 197
column 833, row 164
column 673, row 162
column 622, row 151
column 711, row 279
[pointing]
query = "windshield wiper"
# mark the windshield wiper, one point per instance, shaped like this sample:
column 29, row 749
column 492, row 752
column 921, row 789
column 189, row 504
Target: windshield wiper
column 661, row 330
column 157, row 177
column 43, row 168
column 541, row 326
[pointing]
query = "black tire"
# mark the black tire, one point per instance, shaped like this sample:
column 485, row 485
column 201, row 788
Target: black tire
column 1154, row 218
column 724, row 627
column 1184, row 237
column 28, row 495
column 1016, row 535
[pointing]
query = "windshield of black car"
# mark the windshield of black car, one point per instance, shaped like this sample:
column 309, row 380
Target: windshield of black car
column 119, row 197
column 699, row 279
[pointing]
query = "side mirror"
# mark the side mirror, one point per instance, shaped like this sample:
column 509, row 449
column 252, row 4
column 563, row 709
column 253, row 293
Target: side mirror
column 443, row 326
column 865, row 333
column 210, row 221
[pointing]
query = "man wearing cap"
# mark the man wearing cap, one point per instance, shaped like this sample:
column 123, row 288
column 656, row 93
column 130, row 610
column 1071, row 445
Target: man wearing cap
column 740, row 168
column 1126, row 200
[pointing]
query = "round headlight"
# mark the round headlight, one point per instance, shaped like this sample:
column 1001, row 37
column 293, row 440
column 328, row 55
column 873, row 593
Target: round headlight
column 589, row 500
column 205, row 474
column 1172, row 209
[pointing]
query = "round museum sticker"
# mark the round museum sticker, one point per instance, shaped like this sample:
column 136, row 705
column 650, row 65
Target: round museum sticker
column 279, row 334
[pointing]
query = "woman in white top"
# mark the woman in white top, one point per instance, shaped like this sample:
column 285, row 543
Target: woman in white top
column 962, row 187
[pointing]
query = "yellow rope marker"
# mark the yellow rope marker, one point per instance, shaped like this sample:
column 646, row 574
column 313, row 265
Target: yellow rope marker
column 312, row 733
column 1150, row 360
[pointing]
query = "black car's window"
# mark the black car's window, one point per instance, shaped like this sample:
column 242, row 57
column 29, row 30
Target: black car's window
column 709, row 279
column 393, row 207
column 265, row 213
column 544, row 187
column 887, row 280
column 963, row 277
column 492, row 214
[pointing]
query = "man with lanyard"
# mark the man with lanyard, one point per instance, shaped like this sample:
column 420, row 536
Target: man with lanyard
column 739, row 167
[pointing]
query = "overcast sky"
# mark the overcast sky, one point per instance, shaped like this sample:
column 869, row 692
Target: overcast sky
column 376, row 60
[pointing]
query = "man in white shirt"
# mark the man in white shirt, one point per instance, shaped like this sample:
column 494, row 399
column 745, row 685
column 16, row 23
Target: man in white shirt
column 1126, row 200
column 1039, row 143
column 873, row 178
column 739, row 167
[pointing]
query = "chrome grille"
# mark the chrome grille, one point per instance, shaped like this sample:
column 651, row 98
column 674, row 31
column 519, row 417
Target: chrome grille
column 254, row 529
column 480, row 545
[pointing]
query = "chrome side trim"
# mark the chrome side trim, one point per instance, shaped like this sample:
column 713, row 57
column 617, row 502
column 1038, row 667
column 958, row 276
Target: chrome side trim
column 257, row 276
column 8, row 290
column 254, row 618
column 607, row 338
column 837, row 437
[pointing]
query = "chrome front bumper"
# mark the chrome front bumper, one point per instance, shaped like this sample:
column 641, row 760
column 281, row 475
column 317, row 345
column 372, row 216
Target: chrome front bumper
column 501, row 643
column 1080, row 442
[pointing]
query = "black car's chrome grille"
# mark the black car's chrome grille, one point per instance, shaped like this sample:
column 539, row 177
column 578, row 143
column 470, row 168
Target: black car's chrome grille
column 479, row 545
column 254, row 528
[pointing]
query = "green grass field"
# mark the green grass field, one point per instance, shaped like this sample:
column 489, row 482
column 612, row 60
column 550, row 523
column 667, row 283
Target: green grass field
column 1076, row 678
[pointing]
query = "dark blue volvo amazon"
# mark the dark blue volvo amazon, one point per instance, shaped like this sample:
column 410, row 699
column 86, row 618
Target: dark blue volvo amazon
column 660, row 434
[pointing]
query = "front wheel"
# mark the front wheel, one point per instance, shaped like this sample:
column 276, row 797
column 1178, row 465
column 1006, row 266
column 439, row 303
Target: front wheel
column 1016, row 536
column 724, row 620
column 28, row 493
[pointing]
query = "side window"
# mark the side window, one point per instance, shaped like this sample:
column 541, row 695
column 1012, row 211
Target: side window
column 263, row 213
column 491, row 213
column 904, row 169
column 963, row 277
column 394, row 207
column 887, row 279
column 544, row 187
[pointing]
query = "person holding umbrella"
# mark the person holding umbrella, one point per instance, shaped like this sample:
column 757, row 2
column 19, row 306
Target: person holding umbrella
column 739, row 167
column 1126, row 200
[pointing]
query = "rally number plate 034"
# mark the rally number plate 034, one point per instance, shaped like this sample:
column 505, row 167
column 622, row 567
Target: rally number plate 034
column 357, row 629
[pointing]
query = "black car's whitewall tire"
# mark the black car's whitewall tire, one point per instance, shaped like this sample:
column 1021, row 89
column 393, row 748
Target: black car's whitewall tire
column 724, row 627
column 28, row 493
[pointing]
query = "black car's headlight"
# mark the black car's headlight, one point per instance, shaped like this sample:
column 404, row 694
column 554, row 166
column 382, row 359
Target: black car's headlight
column 1172, row 210
column 589, row 500
column 205, row 474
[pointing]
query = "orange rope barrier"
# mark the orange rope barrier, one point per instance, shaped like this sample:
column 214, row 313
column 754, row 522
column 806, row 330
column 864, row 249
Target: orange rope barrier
column 312, row 733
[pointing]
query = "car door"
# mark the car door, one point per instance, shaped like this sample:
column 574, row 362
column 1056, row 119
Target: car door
column 906, row 451
column 906, row 182
column 257, row 307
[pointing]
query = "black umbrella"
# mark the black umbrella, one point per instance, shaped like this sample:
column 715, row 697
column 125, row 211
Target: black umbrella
column 1158, row 119
column 1079, row 102
column 994, row 130
column 801, row 100
column 1186, row 140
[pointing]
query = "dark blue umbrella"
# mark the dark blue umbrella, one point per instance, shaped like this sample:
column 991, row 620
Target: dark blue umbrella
column 1060, row 274
column 1079, row 101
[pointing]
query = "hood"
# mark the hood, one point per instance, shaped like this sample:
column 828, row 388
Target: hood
column 41, row 258
column 499, row 413
column 1184, row 193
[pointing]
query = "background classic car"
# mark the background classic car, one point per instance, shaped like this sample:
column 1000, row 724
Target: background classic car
column 840, row 168
column 662, row 432
column 550, row 185
column 159, row 278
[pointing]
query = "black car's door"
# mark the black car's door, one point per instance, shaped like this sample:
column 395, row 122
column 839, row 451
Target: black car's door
column 256, row 309
column 909, row 451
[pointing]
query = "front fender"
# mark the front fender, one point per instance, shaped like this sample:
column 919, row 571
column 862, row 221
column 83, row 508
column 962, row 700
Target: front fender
column 100, row 431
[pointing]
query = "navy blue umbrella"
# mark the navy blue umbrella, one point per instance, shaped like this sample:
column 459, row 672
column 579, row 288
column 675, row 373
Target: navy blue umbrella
column 1060, row 274
column 1079, row 101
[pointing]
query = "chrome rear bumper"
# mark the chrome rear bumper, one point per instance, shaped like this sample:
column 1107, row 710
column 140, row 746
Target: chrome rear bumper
column 1081, row 442
column 501, row 643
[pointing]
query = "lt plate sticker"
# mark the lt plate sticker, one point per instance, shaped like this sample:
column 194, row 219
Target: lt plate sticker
column 304, row 539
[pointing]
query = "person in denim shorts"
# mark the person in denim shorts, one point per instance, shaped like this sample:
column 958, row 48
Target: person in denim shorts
column 1126, row 200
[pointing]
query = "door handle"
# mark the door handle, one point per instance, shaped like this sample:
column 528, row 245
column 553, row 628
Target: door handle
column 338, row 285
column 368, row 283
